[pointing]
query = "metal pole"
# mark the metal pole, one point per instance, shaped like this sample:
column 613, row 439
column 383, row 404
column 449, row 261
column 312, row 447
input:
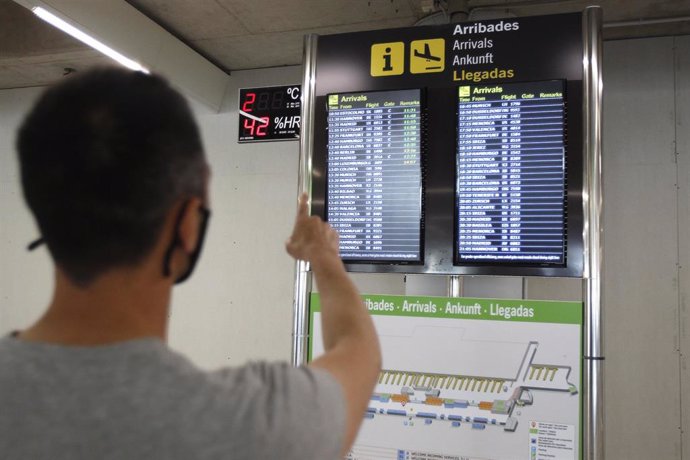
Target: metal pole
column 455, row 286
column 300, row 319
column 593, row 388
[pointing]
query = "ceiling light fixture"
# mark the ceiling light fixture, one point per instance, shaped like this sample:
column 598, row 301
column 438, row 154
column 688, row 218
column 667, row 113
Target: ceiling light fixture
column 87, row 39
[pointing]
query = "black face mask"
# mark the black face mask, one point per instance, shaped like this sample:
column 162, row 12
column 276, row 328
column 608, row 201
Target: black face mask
column 194, row 256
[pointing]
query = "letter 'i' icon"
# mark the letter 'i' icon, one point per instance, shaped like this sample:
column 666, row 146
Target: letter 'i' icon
column 387, row 67
column 387, row 59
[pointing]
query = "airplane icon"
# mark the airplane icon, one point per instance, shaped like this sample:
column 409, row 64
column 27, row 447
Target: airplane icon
column 427, row 55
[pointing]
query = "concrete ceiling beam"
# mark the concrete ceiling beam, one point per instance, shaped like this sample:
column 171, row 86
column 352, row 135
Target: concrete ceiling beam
column 123, row 28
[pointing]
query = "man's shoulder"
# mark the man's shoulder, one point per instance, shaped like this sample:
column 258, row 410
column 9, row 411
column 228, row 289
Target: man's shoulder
column 133, row 364
column 147, row 373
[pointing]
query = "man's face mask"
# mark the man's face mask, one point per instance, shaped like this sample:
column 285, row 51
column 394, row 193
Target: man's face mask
column 194, row 256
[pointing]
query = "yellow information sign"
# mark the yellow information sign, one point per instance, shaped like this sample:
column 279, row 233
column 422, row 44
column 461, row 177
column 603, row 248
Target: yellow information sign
column 387, row 59
column 427, row 56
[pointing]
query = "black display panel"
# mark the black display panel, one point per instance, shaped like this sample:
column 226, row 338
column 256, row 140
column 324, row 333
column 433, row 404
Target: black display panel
column 474, row 56
column 374, row 175
column 270, row 113
column 511, row 174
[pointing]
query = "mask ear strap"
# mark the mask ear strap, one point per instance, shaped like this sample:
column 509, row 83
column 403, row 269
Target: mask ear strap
column 34, row 244
column 175, row 242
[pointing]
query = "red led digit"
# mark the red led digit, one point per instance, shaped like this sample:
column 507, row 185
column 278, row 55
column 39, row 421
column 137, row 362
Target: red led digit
column 261, row 129
column 250, row 123
column 249, row 100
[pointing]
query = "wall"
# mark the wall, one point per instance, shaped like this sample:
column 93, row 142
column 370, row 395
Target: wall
column 239, row 304
column 25, row 277
column 682, row 89
column 646, row 173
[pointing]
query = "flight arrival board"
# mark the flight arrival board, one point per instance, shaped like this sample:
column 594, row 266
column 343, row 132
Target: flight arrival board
column 511, row 170
column 497, row 235
column 374, row 175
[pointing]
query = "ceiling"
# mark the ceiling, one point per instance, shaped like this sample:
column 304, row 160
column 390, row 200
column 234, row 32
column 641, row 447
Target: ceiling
column 248, row 34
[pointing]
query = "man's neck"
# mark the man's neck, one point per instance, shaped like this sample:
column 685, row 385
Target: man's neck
column 118, row 306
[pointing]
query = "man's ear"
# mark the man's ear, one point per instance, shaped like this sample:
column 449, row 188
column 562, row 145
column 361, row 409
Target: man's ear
column 189, row 225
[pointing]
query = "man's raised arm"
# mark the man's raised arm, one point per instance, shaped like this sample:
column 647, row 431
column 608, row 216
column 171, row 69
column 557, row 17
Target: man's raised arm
column 352, row 354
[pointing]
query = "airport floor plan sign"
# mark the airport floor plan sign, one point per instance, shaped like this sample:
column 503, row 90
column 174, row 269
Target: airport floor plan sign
column 471, row 379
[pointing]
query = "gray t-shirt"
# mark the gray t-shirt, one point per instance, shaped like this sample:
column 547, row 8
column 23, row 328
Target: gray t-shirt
column 140, row 400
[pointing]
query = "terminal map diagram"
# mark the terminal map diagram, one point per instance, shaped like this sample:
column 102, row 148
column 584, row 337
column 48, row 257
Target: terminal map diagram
column 460, row 388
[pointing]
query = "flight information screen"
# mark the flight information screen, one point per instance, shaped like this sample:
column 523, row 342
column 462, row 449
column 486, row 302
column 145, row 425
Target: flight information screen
column 374, row 175
column 511, row 170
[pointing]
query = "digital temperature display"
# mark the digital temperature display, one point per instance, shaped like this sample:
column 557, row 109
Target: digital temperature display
column 269, row 114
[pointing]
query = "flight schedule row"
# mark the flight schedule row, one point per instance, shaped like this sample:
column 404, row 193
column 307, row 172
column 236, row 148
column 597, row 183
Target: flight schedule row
column 374, row 175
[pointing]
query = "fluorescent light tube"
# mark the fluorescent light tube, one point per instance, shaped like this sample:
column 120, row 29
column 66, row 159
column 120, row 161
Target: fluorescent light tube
column 88, row 39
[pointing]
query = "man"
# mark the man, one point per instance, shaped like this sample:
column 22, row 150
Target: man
column 113, row 170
